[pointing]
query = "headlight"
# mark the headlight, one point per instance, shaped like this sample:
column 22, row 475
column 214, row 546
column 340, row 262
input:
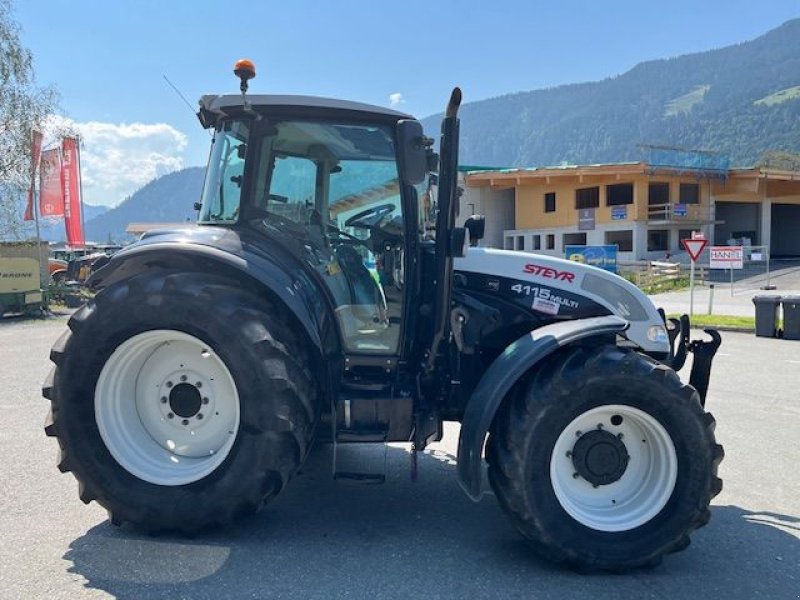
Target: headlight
column 658, row 334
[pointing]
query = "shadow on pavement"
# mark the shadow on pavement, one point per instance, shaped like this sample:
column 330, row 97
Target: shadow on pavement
column 326, row 539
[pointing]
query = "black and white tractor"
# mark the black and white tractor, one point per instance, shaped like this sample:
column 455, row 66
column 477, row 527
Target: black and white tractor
column 327, row 295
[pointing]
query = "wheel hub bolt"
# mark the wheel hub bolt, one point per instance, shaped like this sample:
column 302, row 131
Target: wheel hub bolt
column 169, row 384
column 575, row 475
column 599, row 425
column 199, row 415
column 183, row 378
column 205, row 400
column 199, row 384
column 185, row 421
column 163, row 399
column 578, row 433
column 170, row 416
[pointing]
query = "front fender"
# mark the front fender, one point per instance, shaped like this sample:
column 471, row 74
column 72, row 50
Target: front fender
column 504, row 372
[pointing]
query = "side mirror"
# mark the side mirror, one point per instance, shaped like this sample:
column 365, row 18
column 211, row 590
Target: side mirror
column 412, row 153
column 458, row 242
column 476, row 225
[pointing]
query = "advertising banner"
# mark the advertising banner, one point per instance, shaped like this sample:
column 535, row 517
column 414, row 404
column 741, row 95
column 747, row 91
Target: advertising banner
column 36, row 152
column 586, row 219
column 727, row 257
column 51, row 196
column 70, row 182
column 604, row 257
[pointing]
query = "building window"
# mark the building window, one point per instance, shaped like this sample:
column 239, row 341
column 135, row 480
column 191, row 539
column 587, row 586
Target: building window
column 551, row 241
column 587, row 198
column 690, row 193
column 550, row 202
column 508, row 242
column 520, row 242
column 574, row 239
column 619, row 193
column 684, row 234
column 658, row 240
column 537, row 242
column 658, row 193
column 622, row 239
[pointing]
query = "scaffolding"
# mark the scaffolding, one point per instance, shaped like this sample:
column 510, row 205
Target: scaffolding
column 702, row 163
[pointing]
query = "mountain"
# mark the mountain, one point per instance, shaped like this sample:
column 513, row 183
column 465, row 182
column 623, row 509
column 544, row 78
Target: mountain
column 167, row 199
column 53, row 230
column 12, row 209
column 740, row 100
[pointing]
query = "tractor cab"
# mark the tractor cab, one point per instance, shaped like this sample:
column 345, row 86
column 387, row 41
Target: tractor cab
column 330, row 192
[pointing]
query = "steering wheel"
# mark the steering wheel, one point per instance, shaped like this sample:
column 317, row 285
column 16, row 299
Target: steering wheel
column 370, row 217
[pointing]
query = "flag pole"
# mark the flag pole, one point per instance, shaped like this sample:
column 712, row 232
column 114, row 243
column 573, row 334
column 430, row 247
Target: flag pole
column 80, row 188
column 35, row 209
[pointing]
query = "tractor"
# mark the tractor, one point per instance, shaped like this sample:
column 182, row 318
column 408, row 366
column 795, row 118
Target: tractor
column 327, row 296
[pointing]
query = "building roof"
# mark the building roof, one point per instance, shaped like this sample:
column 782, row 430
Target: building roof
column 518, row 176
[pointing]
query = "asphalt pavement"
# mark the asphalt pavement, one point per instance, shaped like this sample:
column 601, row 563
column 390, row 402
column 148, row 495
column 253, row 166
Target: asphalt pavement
column 736, row 300
column 423, row 539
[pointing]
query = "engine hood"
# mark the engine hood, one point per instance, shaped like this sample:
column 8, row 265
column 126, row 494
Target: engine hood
column 564, row 290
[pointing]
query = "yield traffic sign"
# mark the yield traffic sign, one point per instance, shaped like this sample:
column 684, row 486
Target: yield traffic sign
column 694, row 247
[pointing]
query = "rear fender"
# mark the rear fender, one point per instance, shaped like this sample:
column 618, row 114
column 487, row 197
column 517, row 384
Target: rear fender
column 517, row 359
column 249, row 269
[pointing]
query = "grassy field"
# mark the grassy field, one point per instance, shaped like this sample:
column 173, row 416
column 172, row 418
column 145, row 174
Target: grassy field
column 726, row 321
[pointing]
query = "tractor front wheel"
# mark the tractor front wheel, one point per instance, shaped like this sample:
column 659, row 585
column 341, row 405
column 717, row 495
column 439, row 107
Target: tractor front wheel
column 604, row 460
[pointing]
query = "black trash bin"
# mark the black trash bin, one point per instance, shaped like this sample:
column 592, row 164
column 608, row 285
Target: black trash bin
column 791, row 317
column 767, row 314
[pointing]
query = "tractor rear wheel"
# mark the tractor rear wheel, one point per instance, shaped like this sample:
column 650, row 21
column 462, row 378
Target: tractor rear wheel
column 604, row 460
column 180, row 401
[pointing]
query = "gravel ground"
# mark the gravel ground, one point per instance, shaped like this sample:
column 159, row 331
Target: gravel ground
column 322, row 539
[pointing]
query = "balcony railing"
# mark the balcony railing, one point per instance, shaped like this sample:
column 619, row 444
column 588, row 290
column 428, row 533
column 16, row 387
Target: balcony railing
column 677, row 213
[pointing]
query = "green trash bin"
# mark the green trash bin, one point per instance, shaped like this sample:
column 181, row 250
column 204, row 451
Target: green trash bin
column 791, row 317
column 767, row 314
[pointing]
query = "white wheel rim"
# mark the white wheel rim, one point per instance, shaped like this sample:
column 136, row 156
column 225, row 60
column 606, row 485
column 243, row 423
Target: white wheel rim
column 640, row 493
column 156, row 374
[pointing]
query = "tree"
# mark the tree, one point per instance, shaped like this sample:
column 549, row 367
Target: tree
column 24, row 106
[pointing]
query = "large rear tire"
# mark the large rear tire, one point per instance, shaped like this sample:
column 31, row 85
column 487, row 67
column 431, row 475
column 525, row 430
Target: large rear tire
column 604, row 460
column 180, row 401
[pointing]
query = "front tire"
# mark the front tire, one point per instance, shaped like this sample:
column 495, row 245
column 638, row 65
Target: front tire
column 180, row 401
column 604, row 460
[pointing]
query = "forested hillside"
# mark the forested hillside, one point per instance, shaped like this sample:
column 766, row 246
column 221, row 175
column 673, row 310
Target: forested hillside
column 740, row 100
column 168, row 199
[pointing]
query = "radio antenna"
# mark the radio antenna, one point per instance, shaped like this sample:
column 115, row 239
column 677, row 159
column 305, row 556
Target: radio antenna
column 181, row 96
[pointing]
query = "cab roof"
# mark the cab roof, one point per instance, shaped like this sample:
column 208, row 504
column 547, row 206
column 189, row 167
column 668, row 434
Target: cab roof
column 212, row 107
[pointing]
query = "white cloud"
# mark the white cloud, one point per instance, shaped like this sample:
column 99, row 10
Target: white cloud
column 119, row 158
column 396, row 99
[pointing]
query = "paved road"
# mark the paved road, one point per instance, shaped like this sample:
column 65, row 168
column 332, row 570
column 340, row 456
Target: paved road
column 322, row 539
column 785, row 277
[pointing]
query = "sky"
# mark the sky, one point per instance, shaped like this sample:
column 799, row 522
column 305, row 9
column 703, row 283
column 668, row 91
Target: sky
column 108, row 59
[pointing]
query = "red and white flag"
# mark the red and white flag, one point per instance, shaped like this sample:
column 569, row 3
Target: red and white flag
column 51, row 195
column 70, row 182
column 36, row 152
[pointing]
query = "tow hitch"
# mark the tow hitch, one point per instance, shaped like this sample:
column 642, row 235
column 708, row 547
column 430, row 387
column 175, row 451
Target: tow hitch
column 703, row 351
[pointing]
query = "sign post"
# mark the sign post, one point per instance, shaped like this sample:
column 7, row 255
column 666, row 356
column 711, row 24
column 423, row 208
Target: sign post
column 694, row 247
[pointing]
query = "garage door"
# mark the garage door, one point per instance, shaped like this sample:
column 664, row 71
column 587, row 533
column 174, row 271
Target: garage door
column 785, row 234
column 739, row 220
